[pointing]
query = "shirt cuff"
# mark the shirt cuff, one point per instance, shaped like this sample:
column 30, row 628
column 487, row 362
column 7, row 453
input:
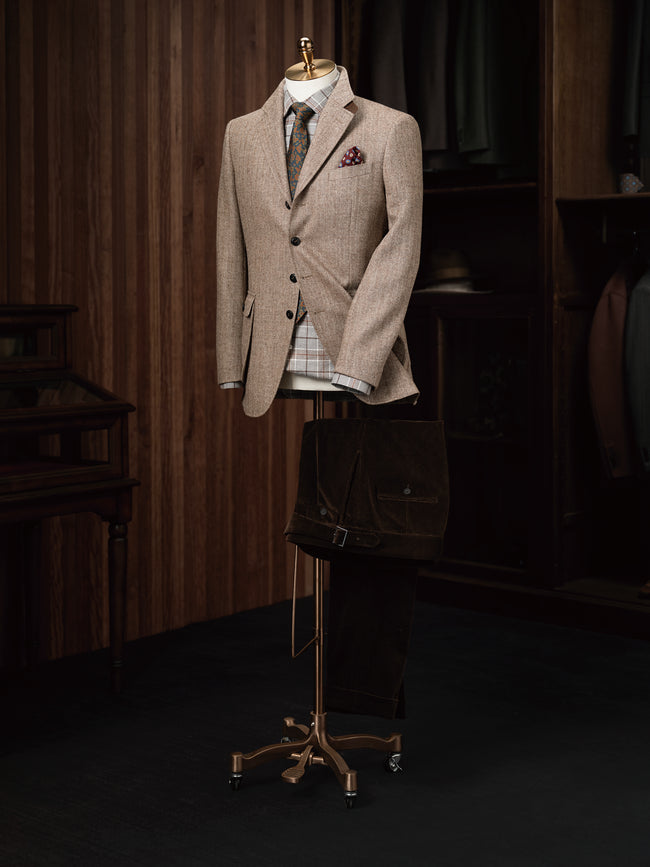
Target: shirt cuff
column 237, row 384
column 349, row 383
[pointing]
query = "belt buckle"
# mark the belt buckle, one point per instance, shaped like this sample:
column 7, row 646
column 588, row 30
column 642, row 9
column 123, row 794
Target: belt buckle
column 340, row 533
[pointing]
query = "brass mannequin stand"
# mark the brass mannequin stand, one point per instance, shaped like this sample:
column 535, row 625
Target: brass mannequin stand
column 312, row 745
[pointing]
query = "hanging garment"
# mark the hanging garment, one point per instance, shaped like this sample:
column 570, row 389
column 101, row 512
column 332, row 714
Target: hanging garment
column 637, row 369
column 636, row 92
column 495, row 80
column 373, row 498
column 369, row 620
column 403, row 62
column 606, row 374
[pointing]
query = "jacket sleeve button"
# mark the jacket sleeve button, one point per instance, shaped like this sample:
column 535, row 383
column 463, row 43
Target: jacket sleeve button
column 293, row 278
column 295, row 241
column 289, row 314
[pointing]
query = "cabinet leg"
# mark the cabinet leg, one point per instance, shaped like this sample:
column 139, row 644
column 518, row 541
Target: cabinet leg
column 117, row 557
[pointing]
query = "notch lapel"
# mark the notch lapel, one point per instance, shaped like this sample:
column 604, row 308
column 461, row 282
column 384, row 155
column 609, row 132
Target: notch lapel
column 332, row 124
column 272, row 137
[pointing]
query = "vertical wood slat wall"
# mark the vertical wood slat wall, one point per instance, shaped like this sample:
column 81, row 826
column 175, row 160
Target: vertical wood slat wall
column 113, row 113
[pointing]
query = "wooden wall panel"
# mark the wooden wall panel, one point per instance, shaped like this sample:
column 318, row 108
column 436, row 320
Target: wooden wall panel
column 115, row 112
column 584, row 110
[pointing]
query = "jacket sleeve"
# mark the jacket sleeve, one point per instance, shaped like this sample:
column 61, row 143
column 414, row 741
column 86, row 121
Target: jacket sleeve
column 379, row 305
column 231, row 272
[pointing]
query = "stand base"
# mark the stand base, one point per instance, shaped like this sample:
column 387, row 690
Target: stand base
column 312, row 745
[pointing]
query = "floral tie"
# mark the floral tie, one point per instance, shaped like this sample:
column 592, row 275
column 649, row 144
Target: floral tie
column 298, row 144
column 295, row 158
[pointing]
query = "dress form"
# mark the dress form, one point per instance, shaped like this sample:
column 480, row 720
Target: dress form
column 302, row 90
column 302, row 81
column 311, row 744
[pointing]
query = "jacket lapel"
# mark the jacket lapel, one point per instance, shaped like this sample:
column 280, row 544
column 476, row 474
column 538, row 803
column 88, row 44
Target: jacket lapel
column 272, row 137
column 332, row 124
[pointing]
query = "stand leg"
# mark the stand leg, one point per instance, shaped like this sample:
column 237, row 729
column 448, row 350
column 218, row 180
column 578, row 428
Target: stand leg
column 117, row 558
column 293, row 731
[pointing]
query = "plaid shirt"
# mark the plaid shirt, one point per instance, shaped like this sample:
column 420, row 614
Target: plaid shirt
column 307, row 355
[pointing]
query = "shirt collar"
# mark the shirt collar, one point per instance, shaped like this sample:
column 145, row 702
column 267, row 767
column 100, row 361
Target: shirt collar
column 316, row 101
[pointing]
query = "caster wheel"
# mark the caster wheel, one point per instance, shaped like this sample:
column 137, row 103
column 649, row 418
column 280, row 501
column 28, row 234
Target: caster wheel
column 392, row 763
column 235, row 782
column 350, row 798
column 285, row 739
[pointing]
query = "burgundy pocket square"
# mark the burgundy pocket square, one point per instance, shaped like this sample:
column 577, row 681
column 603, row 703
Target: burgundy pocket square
column 351, row 157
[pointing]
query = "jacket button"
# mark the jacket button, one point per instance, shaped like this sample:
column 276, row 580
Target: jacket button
column 293, row 278
column 289, row 314
column 295, row 241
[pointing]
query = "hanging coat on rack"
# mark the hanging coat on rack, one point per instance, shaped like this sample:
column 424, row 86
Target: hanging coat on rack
column 637, row 369
column 606, row 374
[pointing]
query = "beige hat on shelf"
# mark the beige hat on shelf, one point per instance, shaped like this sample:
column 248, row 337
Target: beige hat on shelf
column 448, row 271
column 446, row 265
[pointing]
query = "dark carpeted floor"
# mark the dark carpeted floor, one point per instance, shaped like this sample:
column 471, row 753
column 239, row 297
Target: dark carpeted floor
column 526, row 745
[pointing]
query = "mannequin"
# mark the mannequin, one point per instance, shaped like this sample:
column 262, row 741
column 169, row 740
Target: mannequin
column 343, row 234
column 303, row 80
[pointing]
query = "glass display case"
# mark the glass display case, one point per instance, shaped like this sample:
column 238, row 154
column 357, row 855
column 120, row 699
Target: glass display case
column 56, row 428
column 63, row 446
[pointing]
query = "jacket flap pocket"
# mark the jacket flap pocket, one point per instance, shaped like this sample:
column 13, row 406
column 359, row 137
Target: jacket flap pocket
column 405, row 495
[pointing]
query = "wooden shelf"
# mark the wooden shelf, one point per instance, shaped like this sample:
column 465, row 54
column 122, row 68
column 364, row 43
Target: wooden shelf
column 495, row 304
column 601, row 198
column 483, row 190
column 626, row 210
column 484, row 439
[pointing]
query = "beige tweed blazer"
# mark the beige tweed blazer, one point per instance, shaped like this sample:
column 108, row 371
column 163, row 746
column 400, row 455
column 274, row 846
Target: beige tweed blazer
column 349, row 241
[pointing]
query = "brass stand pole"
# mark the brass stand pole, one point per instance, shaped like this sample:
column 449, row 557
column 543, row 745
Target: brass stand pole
column 319, row 652
column 312, row 745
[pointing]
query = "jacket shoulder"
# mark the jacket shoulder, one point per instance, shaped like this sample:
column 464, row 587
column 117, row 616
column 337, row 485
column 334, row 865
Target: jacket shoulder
column 245, row 121
column 382, row 113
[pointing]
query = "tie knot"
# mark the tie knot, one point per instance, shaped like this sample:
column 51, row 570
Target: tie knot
column 302, row 111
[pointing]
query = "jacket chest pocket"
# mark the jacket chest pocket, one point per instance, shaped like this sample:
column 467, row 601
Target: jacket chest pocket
column 348, row 174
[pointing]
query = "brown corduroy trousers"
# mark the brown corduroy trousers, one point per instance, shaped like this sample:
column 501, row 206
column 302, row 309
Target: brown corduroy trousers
column 373, row 498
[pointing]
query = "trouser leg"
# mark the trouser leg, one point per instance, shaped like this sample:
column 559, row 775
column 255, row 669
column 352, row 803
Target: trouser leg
column 368, row 630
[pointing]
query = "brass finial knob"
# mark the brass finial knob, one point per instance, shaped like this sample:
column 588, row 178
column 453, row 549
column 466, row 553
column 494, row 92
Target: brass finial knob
column 309, row 68
column 306, row 49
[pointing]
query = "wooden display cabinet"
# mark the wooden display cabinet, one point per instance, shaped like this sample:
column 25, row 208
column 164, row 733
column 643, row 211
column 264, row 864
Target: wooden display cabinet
column 533, row 527
column 63, row 450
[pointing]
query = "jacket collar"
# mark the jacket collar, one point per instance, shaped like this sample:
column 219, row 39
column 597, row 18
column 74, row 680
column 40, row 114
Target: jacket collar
column 333, row 122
